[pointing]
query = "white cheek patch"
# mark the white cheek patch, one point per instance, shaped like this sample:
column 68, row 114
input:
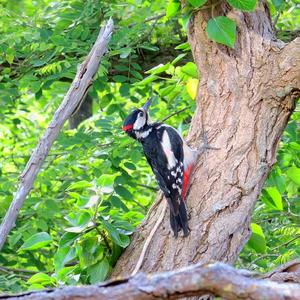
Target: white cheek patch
column 139, row 123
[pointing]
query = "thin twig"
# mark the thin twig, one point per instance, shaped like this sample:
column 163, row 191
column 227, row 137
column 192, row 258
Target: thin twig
column 262, row 257
column 149, row 238
column 106, row 242
column 148, row 187
column 16, row 270
column 289, row 208
column 175, row 114
column 156, row 17
column 101, row 233
column 23, row 276
column 276, row 20
column 273, row 249
column 286, row 243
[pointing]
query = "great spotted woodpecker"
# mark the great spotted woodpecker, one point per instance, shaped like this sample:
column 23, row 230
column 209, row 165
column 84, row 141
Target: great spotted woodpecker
column 170, row 158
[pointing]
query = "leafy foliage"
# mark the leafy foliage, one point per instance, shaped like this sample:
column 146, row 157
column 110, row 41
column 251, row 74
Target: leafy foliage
column 222, row 30
column 248, row 5
column 278, row 211
column 95, row 187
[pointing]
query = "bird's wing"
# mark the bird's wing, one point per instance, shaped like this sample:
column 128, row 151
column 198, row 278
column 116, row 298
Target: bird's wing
column 168, row 165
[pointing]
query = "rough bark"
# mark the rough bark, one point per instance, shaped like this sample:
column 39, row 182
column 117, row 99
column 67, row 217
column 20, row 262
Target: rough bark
column 245, row 98
column 217, row 279
column 78, row 90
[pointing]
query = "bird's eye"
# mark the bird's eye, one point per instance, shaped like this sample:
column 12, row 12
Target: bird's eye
column 141, row 114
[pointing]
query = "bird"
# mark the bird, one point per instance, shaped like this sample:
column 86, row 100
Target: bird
column 171, row 159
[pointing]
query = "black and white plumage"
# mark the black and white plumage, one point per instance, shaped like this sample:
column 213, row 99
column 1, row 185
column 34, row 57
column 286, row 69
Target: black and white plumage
column 170, row 158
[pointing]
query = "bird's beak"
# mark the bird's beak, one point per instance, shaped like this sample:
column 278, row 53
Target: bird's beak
column 147, row 104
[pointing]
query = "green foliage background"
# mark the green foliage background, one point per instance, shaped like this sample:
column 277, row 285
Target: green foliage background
column 95, row 186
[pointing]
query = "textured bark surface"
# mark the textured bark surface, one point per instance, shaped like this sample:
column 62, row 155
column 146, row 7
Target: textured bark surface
column 246, row 96
column 217, row 279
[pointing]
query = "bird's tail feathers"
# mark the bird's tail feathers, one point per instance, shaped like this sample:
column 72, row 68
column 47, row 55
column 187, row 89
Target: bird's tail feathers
column 180, row 221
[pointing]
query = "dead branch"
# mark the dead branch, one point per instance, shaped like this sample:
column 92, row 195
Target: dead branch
column 289, row 272
column 79, row 87
column 217, row 279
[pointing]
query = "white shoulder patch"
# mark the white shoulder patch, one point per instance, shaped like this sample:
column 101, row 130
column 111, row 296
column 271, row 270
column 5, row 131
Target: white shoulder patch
column 166, row 145
column 189, row 156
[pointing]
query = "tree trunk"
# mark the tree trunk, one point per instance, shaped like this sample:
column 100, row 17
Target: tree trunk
column 246, row 96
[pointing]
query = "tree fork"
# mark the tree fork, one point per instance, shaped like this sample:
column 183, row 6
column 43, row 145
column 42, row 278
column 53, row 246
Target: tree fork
column 245, row 98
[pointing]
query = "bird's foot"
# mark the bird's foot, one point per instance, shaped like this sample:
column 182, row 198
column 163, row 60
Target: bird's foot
column 205, row 144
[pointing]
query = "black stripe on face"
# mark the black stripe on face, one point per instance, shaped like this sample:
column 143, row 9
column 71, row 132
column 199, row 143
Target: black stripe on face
column 130, row 120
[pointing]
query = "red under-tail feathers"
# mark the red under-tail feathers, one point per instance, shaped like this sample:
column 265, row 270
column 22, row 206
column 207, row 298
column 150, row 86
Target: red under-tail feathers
column 186, row 177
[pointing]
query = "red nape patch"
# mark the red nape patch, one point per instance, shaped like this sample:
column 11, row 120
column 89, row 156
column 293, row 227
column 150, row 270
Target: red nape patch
column 127, row 127
column 186, row 178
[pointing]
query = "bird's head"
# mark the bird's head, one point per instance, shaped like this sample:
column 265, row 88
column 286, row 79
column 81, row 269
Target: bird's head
column 137, row 120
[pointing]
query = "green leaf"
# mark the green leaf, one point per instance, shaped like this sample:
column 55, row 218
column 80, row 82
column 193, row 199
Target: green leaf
column 247, row 5
column 147, row 80
column 294, row 174
column 197, row 3
column 294, row 146
column 192, row 87
column 117, row 202
column 89, row 252
column 130, row 165
column 178, row 58
column 120, row 78
column 257, row 240
column 79, row 185
column 136, row 74
column 99, row 271
column 10, row 58
column 63, row 256
column 67, row 239
column 276, row 197
column 37, row 241
column 106, row 179
column 119, row 239
column 278, row 4
column 222, row 30
column 158, row 69
column 121, row 68
column 190, row 69
column 41, row 278
column 277, row 179
column 123, row 192
column 64, row 273
column 172, row 9
column 125, row 52
column 149, row 47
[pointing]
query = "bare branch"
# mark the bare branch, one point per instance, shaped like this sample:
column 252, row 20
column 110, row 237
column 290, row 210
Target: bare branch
column 175, row 113
column 83, row 80
column 148, row 240
column 289, row 71
column 217, row 279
